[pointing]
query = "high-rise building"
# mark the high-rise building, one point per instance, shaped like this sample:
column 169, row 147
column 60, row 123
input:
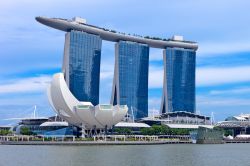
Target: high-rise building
column 179, row 80
column 130, row 84
column 81, row 74
column 81, row 65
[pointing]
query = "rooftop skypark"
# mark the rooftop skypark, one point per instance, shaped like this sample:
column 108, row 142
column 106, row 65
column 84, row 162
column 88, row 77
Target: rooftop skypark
column 80, row 24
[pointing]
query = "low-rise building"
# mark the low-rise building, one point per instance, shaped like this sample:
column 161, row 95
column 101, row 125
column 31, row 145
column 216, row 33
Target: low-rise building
column 180, row 119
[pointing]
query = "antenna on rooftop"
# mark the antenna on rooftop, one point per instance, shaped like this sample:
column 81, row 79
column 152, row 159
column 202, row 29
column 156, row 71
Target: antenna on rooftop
column 198, row 112
column 153, row 113
column 212, row 118
column 30, row 115
column 34, row 114
column 127, row 117
column 132, row 111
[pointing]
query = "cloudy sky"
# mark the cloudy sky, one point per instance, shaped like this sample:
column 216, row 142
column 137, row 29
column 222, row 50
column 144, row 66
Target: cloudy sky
column 30, row 53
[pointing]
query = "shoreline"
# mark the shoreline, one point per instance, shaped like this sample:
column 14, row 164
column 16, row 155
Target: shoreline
column 94, row 143
column 89, row 143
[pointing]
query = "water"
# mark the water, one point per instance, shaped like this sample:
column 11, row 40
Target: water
column 139, row 155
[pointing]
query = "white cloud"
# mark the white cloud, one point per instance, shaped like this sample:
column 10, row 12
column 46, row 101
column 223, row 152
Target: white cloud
column 26, row 85
column 206, row 76
column 155, row 54
column 208, row 49
column 107, row 70
column 155, row 77
column 245, row 90
column 211, row 76
column 106, row 75
column 156, row 57
column 154, row 102
column 217, row 101
column 211, row 49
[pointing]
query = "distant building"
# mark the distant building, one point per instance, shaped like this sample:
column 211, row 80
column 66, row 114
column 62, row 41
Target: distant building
column 45, row 127
column 133, row 126
column 238, row 121
column 239, row 124
column 5, row 127
column 242, row 117
column 81, row 65
column 180, row 119
column 179, row 80
column 130, row 85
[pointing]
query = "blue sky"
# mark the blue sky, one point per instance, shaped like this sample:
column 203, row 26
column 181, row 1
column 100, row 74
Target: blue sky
column 30, row 53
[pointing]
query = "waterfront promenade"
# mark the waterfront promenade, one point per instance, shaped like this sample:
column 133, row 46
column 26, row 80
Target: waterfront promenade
column 96, row 140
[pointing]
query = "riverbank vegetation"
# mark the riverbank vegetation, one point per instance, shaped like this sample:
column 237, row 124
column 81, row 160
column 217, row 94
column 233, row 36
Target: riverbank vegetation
column 5, row 132
column 164, row 130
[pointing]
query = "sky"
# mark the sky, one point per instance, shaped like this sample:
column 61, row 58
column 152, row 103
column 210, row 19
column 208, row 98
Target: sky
column 30, row 53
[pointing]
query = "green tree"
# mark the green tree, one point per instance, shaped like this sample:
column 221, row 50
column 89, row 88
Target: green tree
column 157, row 129
column 228, row 132
column 5, row 132
column 147, row 131
column 125, row 131
column 25, row 131
column 162, row 129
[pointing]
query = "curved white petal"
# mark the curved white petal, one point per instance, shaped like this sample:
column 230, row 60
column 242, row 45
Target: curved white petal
column 82, row 113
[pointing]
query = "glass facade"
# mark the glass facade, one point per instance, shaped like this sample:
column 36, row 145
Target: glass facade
column 84, row 66
column 131, row 77
column 46, row 130
column 179, row 80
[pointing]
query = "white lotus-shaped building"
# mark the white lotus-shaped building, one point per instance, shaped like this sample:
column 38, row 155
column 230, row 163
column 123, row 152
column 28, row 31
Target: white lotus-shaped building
column 102, row 116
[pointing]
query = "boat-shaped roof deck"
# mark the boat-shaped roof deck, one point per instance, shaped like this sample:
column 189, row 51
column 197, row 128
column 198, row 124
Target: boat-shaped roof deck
column 112, row 35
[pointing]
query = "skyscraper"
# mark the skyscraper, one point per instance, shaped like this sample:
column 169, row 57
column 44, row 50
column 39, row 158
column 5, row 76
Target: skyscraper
column 81, row 65
column 130, row 84
column 179, row 80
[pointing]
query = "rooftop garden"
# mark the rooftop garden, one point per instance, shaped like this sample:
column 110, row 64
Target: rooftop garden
column 134, row 35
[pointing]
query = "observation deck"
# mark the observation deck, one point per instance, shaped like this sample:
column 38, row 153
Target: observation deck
column 112, row 35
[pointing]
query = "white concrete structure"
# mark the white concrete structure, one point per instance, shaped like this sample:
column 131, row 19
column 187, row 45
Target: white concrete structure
column 243, row 136
column 82, row 114
column 54, row 124
column 177, row 38
column 188, row 126
column 79, row 20
column 132, row 124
